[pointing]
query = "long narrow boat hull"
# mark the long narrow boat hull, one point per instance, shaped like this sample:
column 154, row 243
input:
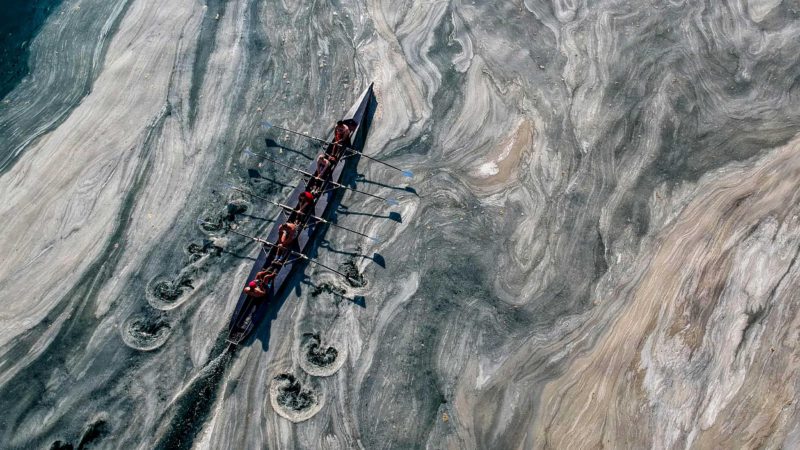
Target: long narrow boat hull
column 249, row 310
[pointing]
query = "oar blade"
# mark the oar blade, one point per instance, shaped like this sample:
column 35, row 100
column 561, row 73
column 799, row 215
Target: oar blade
column 408, row 174
column 266, row 124
column 375, row 239
column 392, row 201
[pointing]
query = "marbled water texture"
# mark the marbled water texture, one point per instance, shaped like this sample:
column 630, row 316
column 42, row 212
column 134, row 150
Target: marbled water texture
column 598, row 248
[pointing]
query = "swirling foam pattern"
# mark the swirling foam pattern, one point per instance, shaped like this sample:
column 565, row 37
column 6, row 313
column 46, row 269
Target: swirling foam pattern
column 601, row 251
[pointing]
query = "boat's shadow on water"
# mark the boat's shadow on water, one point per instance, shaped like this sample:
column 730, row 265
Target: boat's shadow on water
column 264, row 329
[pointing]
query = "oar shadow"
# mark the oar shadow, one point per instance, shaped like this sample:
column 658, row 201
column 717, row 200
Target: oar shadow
column 376, row 257
column 359, row 300
column 273, row 143
column 345, row 210
column 254, row 217
column 255, row 173
column 237, row 255
column 360, row 178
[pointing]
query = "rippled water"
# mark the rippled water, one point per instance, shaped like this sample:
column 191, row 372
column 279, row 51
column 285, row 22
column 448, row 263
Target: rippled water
column 598, row 247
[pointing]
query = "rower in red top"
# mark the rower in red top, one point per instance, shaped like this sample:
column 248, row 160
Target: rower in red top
column 304, row 202
column 255, row 289
column 258, row 287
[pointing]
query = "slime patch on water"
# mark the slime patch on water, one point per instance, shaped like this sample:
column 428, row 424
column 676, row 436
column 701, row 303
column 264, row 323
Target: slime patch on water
column 318, row 359
column 165, row 294
column 293, row 400
column 145, row 332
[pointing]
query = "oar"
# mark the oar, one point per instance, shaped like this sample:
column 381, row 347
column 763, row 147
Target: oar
column 300, row 255
column 406, row 173
column 287, row 207
column 390, row 201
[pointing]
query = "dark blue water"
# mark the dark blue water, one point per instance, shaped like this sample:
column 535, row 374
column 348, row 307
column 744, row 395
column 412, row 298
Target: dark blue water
column 20, row 20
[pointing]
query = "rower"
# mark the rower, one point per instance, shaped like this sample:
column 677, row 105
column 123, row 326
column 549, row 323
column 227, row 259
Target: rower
column 255, row 289
column 263, row 280
column 341, row 139
column 324, row 163
column 266, row 276
column 287, row 233
column 304, row 202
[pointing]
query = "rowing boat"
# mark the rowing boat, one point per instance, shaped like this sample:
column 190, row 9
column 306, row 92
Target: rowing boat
column 250, row 310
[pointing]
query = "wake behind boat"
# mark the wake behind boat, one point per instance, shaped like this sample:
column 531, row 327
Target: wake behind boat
column 307, row 207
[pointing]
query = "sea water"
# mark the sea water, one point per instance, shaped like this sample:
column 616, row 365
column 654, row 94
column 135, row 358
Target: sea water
column 20, row 20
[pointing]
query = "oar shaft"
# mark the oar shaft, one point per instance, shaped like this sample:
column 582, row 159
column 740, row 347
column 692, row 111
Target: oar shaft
column 317, row 218
column 338, row 185
column 243, row 191
column 356, row 190
column 346, row 147
column 287, row 166
column 259, row 240
column 347, row 229
column 300, row 134
column 347, row 277
column 298, row 254
column 352, row 150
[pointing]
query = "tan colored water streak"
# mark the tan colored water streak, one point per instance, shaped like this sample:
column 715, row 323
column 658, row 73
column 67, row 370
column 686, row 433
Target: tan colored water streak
column 606, row 395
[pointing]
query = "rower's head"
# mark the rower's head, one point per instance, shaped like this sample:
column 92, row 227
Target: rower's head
column 341, row 129
column 252, row 284
column 307, row 196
